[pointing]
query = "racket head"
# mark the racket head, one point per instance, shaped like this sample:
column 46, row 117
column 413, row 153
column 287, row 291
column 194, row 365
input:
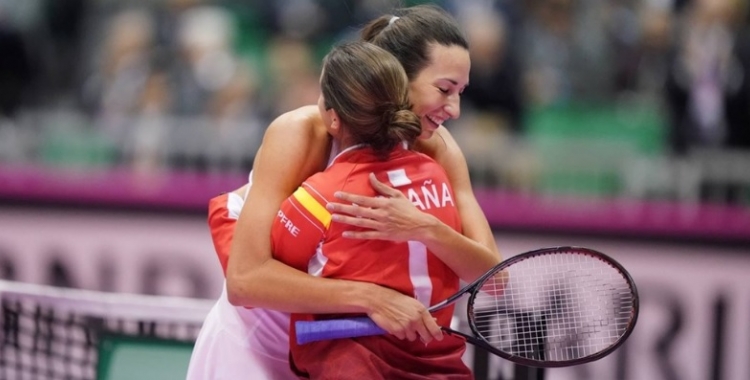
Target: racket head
column 554, row 307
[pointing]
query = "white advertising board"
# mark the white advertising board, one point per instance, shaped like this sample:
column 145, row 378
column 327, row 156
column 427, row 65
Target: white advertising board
column 123, row 252
column 695, row 300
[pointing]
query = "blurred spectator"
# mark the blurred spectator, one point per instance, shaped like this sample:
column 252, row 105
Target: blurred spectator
column 566, row 55
column 114, row 88
column 59, row 46
column 236, row 123
column 709, row 80
column 492, row 106
column 192, row 109
column 303, row 19
column 15, row 68
column 144, row 148
column 708, row 91
column 192, row 84
column 15, row 76
column 294, row 71
column 206, row 61
column 494, row 82
column 642, row 35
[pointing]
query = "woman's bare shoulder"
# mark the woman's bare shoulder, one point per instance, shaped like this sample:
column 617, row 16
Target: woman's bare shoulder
column 305, row 120
column 297, row 139
column 441, row 146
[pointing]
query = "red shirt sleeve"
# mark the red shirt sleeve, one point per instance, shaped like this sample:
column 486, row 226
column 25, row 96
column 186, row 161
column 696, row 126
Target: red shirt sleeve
column 299, row 227
column 221, row 225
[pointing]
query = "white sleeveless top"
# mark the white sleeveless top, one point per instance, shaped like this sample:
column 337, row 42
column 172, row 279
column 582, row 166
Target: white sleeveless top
column 237, row 342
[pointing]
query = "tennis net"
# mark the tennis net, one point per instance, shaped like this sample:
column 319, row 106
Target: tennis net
column 54, row 333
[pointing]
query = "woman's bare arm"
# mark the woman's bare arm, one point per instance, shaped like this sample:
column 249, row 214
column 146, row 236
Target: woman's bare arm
column 394, row 218
column 477, row 238
column 293, row 149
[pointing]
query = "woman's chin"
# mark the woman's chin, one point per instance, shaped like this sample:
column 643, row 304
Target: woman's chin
column 426, row 134
column 428, row 129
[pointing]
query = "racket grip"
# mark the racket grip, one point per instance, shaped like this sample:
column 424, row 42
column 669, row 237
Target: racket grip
column 313, row 331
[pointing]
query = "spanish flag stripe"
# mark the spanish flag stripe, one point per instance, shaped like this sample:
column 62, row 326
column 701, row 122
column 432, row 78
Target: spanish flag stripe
column 313, row 206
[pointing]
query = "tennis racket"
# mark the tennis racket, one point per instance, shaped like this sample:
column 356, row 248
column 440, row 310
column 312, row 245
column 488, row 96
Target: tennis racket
column 552, row 307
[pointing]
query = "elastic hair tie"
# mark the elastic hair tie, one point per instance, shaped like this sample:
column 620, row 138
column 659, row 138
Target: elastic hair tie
column 392, row 20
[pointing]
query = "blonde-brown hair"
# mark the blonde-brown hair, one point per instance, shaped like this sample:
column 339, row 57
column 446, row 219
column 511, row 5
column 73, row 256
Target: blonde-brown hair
column 369, row 90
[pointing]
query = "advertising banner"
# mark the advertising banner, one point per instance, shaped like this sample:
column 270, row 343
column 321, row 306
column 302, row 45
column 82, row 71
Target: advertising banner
column 694, row 320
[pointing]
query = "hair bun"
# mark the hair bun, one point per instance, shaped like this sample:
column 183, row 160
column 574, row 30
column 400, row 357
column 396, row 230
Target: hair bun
column 405, row 125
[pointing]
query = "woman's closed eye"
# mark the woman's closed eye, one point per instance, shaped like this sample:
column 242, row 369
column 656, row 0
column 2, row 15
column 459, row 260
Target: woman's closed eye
column 448, row 91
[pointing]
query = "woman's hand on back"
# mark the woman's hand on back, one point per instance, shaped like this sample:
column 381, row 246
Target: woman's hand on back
column 390, row 216
column 393, row 217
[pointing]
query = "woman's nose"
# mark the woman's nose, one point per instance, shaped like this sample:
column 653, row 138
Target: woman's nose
column 453, row 108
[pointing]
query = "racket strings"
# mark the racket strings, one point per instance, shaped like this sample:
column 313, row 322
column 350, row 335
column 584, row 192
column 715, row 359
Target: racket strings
column 554, row 307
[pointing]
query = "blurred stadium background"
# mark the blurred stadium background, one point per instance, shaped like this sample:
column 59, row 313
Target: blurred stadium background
column 621, row 125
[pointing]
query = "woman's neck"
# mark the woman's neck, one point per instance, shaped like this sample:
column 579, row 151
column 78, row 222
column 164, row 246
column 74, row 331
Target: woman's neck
column 345, row 140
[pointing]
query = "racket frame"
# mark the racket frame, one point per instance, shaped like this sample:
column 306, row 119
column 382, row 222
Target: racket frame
column 474, row 288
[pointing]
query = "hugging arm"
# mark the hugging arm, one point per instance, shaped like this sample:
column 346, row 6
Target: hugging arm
column 292, row 150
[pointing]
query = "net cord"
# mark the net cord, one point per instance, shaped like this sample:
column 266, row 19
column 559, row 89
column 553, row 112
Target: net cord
column 114, row 305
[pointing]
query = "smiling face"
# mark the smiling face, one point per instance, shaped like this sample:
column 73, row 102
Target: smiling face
column 436, row 90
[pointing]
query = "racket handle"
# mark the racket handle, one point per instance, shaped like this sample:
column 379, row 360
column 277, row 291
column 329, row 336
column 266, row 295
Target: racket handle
column 313, row 331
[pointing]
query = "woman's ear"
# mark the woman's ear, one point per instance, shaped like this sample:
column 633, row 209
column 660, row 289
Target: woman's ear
column 335, row 128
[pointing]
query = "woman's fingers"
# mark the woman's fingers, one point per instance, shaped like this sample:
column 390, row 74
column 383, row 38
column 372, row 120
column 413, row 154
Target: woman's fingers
column 428, row 328
column 353, row 210
column 374, row 229
column 356, row 221
column 360, row 200
column 371, row 202
column 411, row 334
column 382, row 188
column 389, row 217
column 403, row 316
